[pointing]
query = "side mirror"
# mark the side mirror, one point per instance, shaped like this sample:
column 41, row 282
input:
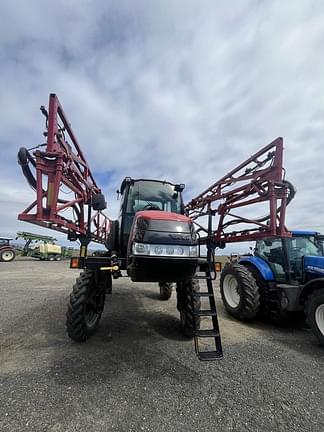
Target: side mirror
column 179, row 187
column 98, row 202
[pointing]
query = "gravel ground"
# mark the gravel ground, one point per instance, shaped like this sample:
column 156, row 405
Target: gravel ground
column 137, row 373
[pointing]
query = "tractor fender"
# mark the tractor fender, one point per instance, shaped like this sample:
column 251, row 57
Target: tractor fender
column 261, row 265
column 312, row 286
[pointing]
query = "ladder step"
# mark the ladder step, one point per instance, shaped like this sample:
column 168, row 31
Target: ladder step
column 209, row 355
column 205, row 313
column 207, row 333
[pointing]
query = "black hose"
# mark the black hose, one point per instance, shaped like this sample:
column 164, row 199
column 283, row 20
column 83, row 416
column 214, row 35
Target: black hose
column 24, row 158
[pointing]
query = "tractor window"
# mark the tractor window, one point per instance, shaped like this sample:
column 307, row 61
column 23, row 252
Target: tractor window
column 304, row 246
column 145, row 194
column 298, row 248
column 4, row 242
column 271, row 251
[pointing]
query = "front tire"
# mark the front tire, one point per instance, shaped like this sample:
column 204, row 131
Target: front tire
column 7, row 255
column 85, row 307
column 314, row 310
column 239, row 291
column 165, row 290
column 186, row 304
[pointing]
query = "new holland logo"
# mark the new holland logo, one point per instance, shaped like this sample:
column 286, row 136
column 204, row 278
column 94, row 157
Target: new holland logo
column 315, row 269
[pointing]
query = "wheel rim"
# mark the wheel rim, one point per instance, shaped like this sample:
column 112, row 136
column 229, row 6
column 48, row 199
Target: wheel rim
column 319, row 318
column 7, row 256
column 231, row 292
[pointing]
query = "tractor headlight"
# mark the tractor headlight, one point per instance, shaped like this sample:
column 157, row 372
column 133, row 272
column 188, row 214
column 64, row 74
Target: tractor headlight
column 158, row 250
column 141, row 249
column 193, row 251
column 172, row 251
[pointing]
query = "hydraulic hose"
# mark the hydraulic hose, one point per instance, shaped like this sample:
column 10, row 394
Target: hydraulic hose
column 24, row 159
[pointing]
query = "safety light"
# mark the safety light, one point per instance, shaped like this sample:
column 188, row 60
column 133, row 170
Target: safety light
column 74, row 263
column 218, row 267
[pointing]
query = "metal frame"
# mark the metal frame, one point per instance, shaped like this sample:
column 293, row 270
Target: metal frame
column 259, row 179
column 63, row 164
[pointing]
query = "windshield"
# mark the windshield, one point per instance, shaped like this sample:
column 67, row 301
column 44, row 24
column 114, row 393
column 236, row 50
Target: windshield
column 271, row 250
column 145, row 194
column 320, row 241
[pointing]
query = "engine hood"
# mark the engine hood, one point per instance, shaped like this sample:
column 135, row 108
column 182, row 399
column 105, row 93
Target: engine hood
column 314, row 264
column 163, row 227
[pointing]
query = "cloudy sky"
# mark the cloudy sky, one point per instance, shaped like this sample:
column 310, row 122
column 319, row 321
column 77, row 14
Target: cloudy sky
column 178, row 90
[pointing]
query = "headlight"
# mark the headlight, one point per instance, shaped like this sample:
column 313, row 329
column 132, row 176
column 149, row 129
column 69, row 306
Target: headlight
column 193, row 251
column 175, row 251
column 158, row 250
column 141, row 249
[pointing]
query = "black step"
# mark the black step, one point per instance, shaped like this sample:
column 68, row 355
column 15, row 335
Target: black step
column 209, row 355
column 207, row 333
column 205, row 312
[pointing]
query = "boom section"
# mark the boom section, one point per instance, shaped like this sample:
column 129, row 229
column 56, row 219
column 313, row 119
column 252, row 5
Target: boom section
column 257, row 183
column 66, row 191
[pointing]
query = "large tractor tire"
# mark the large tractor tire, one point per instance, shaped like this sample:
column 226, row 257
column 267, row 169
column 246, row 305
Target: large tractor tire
column 239, row 291
column 7, row 255
column 314, row 310
column 85, row 307
column 186, row 304
column 165, row 290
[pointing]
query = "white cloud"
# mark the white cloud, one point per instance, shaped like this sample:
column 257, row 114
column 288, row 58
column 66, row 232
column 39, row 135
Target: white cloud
column 176, row 90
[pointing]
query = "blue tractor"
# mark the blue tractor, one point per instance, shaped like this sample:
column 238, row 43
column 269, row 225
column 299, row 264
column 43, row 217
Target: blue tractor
column 283, row 275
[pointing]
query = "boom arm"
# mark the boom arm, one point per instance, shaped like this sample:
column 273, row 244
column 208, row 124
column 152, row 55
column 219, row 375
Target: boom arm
column 63, row 165
column 260, row 179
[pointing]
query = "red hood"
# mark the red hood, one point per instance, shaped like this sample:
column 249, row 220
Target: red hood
column 162, row 215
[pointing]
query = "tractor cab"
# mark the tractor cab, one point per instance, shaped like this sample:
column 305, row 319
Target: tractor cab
column 293, row 256
column 141, row 195
column 5, row 241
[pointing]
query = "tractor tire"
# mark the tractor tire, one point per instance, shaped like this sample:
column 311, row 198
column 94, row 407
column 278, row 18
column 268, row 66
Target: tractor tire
column 314, row 310
column 85, row 307
column 239, row 291
column 51, row 258
column 58, row 258
column 7, row 255
column 185, row 305
column 165, row 290
column 270, row 309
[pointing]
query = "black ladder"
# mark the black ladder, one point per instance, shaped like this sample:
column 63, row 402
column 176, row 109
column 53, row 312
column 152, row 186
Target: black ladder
column 212, row 333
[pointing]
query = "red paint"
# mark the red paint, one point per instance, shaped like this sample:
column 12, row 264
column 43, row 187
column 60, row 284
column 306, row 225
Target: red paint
column 162, row 215
column 63, row 166
column 259, row 179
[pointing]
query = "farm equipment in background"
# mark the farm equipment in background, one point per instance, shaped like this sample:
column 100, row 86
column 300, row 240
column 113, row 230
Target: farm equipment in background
column 7, row 251
column 284, row 275
column 156, row 237
column 46, row 249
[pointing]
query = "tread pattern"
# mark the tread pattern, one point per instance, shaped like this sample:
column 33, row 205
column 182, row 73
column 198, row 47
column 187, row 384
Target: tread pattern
column 77, row 326
column 249, row 292
column 165, row 290
column 187, row 304
column 313, row 301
